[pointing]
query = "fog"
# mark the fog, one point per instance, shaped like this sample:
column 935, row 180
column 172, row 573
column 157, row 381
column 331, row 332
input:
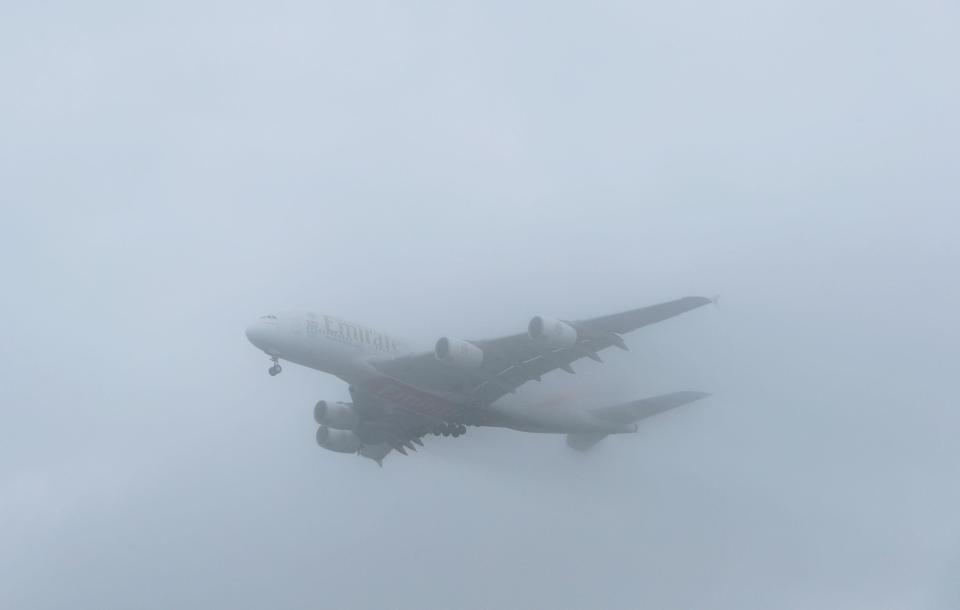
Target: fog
column 170, row 171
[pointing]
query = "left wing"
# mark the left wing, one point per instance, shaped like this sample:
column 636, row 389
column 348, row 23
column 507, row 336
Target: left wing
column 387, row 426
column 509, row 362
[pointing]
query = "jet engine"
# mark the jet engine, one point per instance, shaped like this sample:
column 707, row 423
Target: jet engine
column 458, row 353
column 339, row 415
column 342, row 441
column 553, row 333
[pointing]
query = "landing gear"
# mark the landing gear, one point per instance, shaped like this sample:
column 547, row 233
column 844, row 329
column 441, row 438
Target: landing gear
column 453, row 430
column 275, row 369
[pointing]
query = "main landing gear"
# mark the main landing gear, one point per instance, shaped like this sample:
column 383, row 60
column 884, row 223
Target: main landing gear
column 275, row 369
column 453, row 430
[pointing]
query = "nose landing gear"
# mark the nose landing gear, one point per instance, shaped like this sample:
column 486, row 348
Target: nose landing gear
column 275, row 369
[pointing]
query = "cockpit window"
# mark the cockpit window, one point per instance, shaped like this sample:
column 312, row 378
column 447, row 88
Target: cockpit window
column 268, row 317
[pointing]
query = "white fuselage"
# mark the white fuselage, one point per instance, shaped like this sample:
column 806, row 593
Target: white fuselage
column 324, row 343
column 348, row 351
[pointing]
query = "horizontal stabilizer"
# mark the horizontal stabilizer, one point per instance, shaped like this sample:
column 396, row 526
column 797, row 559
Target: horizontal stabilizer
column 645, row 407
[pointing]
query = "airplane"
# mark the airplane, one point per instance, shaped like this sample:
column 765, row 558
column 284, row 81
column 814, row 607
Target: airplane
column 399, row 394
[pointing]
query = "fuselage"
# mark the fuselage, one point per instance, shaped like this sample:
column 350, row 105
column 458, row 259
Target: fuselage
column 324, row 343
column 349, row 351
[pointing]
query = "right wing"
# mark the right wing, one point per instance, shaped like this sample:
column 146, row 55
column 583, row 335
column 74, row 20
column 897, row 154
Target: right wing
column 386, row 426
column 509, row 362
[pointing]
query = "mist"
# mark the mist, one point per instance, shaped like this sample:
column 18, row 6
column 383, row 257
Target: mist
column 170, row 171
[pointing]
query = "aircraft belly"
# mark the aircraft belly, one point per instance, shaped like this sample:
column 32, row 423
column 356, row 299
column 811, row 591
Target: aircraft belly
column 411, row 398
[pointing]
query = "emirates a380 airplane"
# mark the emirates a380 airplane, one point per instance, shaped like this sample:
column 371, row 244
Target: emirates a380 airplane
column 400, row 395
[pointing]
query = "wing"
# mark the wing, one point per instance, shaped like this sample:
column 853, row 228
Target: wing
column 386, row 426
column 509, row 362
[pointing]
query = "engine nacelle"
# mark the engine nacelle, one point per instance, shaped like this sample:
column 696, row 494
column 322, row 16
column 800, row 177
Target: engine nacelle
column 552, row 333
column 458, row 353
column 342, row 441
column 339, row 415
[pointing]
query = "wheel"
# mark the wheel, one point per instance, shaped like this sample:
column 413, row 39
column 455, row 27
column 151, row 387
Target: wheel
column 274, row 370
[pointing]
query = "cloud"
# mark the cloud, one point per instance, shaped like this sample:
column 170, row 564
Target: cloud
column 170, row 172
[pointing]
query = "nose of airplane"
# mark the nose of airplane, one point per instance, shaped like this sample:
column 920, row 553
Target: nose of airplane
column 257, row 333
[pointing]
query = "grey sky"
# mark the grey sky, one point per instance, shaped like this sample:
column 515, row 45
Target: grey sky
column 170, row 171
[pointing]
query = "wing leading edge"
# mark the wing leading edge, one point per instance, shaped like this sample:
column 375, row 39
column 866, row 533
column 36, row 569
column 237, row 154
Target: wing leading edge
column 511, row 361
